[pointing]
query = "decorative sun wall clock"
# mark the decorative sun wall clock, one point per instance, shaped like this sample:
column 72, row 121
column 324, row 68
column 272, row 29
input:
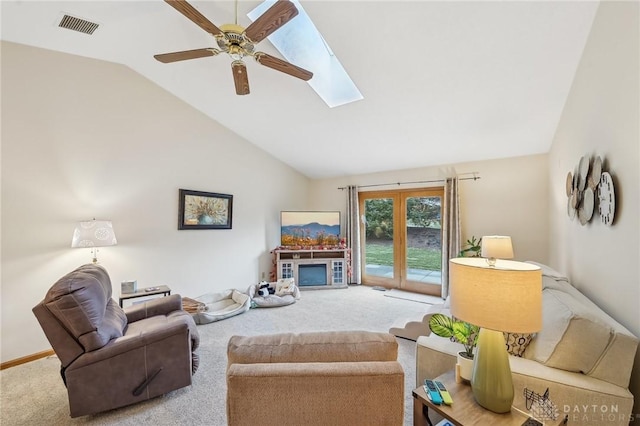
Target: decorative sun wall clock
column 589, row 188
column 606, row 199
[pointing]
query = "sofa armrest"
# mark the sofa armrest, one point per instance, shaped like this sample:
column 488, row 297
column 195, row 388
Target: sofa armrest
column 158, row 306
column 348, row 393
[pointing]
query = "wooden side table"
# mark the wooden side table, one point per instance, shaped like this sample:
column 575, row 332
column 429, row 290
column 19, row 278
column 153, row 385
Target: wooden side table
column 464, row 411
column 163, row 289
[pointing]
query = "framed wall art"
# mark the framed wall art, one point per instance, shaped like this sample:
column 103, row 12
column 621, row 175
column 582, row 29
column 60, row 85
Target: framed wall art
column 204, row 210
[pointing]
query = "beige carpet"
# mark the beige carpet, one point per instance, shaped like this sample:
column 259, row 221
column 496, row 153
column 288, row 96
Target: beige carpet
column 33, row 393
column 414, row 297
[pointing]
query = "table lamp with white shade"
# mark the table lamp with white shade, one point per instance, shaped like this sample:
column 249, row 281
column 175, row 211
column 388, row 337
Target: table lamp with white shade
column 496, row 247
column 94, row 234
column 504, row 297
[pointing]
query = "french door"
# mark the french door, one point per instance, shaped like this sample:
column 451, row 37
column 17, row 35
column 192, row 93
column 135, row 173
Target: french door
column 402, row 239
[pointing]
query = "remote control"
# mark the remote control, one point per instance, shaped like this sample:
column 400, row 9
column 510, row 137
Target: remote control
column 432, row 392
column 444, row 393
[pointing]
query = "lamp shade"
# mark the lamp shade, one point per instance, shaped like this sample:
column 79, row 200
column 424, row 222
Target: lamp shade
column 497, row 247
column 506, row 297
column 94, row 233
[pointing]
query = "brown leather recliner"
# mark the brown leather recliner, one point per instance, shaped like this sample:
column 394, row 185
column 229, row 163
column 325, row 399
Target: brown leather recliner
column 113, row 357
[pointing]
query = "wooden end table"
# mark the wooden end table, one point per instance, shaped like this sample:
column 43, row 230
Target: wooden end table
column 464, row 411
column 162, row 289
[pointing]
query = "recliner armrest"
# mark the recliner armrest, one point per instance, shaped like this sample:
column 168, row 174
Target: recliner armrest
column 126, row 344
column 159, row 306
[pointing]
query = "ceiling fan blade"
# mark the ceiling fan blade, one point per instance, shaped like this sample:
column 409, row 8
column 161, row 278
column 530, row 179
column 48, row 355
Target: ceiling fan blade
column 240, row 77
column 282, row 66
column 166, row 58
column 196, row 17
column 275, row 17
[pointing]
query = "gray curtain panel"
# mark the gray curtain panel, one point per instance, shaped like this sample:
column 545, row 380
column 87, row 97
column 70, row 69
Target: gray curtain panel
column 353, row 233
column 450, row 229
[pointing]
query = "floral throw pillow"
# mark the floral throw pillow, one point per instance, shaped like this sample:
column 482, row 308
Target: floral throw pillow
column 517, row 342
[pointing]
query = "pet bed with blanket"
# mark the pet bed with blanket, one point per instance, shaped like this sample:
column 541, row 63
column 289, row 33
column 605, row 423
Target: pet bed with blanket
column 270, row 295
column 213, row 307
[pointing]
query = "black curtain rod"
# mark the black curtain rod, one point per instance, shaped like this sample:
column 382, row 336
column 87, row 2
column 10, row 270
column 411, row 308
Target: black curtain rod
column 474, row 177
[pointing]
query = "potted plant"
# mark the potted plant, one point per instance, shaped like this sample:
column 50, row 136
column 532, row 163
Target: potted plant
column 472, row 248
column 460, row 332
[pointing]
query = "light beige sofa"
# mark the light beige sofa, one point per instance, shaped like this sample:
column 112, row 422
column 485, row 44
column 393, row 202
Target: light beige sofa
column 582, row 355
column 338, row 378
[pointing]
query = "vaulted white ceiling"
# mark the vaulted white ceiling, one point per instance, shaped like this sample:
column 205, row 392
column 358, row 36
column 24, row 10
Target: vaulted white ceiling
column 443, row 81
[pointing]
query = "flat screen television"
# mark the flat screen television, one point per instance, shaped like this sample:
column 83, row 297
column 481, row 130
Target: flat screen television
column 309, row 228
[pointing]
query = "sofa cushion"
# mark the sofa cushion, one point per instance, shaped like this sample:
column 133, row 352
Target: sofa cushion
column 328, row 346
column 517, row 342
column 572, row 337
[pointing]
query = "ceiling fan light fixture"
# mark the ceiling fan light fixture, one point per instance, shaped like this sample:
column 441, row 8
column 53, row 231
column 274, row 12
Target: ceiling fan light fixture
column 236, row 52
column 233, row 41
column 239, row 42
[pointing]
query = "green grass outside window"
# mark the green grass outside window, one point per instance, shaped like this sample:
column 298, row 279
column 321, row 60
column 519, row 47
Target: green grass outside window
column 417, row 258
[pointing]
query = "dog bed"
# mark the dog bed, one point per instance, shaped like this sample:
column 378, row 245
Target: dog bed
column 218, row 306
column 280, row 293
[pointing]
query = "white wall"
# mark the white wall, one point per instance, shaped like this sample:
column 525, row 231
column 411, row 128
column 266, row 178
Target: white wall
column 602, row 117
column 510, row 198
column 83, row 138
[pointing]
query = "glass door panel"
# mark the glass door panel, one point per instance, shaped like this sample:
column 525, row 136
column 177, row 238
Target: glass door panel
column 423, row 243
column 378, row 242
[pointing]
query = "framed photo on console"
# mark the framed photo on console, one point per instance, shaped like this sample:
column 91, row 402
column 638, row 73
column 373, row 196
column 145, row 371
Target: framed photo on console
column 204, row 210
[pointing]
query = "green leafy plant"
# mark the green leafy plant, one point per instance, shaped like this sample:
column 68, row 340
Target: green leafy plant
column 456, row 330
column 471, row 248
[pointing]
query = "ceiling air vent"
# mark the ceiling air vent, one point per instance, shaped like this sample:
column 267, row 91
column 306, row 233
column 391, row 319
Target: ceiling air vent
column 76, row 24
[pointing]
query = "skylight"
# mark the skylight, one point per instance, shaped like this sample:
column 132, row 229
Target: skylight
column 300, row 43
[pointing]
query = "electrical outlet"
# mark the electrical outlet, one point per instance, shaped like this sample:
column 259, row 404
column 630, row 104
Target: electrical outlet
column 264, row 274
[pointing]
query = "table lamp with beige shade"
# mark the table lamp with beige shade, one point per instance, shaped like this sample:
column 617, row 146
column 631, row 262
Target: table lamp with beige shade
column 503, row 297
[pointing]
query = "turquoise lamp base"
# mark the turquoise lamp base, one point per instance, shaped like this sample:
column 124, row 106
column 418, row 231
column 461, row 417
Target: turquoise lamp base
column 491, row 381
